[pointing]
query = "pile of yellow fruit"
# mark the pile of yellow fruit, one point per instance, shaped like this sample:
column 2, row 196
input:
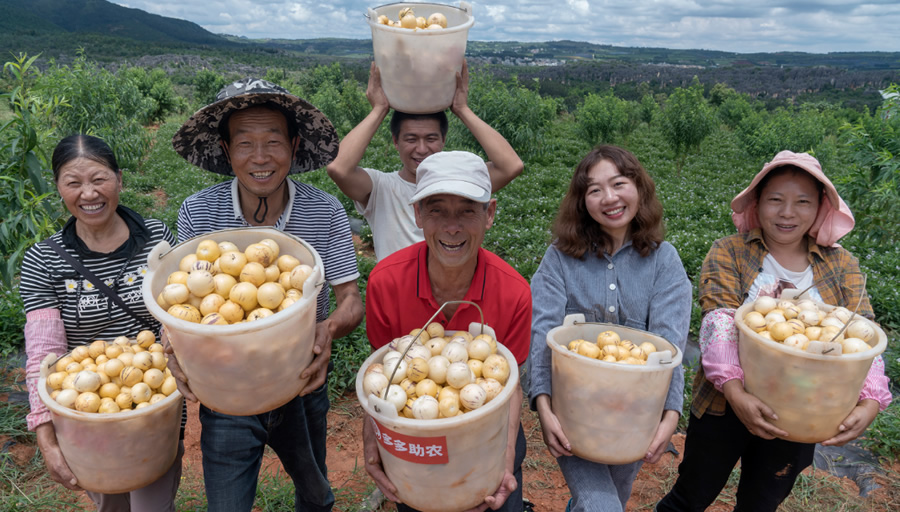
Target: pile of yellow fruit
column 798, row 323
column 220, row 284
column 406, row 18
column 110, row 377
column 612, row 349
column 439, row 376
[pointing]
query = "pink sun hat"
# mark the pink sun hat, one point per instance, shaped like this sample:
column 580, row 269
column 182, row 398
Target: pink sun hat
column 831, row 223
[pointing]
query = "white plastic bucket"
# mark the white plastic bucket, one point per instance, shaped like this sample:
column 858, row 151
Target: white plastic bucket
column 418, row 67
column 246, row 368
column 811, row 393
column 463, row 458
column 608, row 411
column 120, row 452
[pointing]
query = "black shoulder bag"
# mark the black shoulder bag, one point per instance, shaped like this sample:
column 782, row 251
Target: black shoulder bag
column 96, row 281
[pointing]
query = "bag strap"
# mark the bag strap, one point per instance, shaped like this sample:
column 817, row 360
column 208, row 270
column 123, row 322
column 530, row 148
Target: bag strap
column 96, row 281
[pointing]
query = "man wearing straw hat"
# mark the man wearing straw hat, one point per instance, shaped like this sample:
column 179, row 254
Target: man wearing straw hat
column 259, row 133
column 454, row 208
column 382, row 198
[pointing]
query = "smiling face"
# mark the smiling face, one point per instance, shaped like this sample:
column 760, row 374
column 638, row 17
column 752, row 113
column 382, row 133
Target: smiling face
column 260, row 150
column 787, row 208
column 454, row 228
column 611, row 199
column 418, row 139
column 90, row 191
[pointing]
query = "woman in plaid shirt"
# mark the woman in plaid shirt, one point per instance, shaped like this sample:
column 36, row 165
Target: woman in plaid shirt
column 789, row 221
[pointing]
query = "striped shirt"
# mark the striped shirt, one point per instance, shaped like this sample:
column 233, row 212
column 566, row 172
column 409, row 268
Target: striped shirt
column 312, row 215
column 729, row 271
column 64, row 310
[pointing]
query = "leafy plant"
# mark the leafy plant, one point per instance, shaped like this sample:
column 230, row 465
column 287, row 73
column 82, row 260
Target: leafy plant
column 872, row 187
column 686, row 120
column 601, row 117
column 28, row 214
column 103, row 104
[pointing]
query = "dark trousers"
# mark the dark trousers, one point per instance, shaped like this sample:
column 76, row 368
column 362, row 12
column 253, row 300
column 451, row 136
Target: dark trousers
column 514, row 502
column 713, row 446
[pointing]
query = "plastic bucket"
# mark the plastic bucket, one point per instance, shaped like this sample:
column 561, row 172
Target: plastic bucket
column 418, row 67
column 811, row 393
column 246, row 368
column 608, row 411
column 121, row 452
column 462, row 459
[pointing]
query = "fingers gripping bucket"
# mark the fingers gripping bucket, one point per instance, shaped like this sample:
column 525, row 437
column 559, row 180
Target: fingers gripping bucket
column 120, row 452
column 418, row 67
column 811, row 393
column 608, row 411
column 246, row 368
column 457, row 461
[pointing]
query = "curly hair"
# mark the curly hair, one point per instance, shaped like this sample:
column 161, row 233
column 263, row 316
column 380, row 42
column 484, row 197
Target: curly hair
column 575, row 232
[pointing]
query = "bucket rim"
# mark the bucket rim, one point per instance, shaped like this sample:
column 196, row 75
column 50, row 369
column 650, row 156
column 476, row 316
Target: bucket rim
column 93, row 417
column 373, row 21
column 558, row 349
column 439, row 424
column 746, row 333
column 224, row 330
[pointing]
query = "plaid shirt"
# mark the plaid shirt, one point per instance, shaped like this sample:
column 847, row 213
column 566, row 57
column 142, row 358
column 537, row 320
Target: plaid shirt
column 733, row 264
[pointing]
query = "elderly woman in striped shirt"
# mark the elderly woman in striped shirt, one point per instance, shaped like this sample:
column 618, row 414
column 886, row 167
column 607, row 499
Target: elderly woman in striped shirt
column 65, row 309
column 789, row 221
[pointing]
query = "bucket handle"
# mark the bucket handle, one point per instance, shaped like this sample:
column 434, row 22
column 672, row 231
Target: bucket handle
column 853, row 314
column 578, row 319
column 418, row 334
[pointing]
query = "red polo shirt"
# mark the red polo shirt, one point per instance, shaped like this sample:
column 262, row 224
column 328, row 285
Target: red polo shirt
column 399, row 299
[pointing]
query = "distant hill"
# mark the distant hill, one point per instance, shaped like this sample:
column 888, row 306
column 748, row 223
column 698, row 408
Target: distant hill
column 56, row 17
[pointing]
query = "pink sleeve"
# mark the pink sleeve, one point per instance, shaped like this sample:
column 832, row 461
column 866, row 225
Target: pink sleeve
column 44, row 333
column 876, row 385
column 719, row 348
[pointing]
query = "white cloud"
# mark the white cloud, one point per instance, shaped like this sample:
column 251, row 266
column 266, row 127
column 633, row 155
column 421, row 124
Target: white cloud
column 729, row 25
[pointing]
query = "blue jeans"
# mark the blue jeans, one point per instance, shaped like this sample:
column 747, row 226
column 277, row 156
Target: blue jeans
column 597, row 487
column 233, row 448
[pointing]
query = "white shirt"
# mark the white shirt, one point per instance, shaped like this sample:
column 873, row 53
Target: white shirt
column 773, row 278
column 389, row 214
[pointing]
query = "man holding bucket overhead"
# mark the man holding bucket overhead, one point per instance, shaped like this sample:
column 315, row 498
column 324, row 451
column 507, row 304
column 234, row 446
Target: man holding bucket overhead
column 383, row 198
column 259, row 133
column 453, row 206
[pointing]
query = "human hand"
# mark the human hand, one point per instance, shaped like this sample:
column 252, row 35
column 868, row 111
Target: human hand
column 53, row 457
column 317, row 371
column 373, row 461
column 855, row 423
column 374, row 92
column 661, row 438
column 752, row 411
column 181, row 380
column 461, row 95
column 495, row 501
column 554, row 438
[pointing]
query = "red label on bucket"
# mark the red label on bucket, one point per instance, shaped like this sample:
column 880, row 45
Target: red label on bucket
column 420, row 450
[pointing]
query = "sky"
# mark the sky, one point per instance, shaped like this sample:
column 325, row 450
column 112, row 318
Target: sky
column 743, row 26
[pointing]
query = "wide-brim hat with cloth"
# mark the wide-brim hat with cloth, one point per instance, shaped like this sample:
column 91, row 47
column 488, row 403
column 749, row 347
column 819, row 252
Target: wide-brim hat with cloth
column 198, row 139
column 459, row 173
column 834, row 218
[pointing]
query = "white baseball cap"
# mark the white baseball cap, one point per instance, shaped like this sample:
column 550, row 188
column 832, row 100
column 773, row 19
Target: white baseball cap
column 459, row 173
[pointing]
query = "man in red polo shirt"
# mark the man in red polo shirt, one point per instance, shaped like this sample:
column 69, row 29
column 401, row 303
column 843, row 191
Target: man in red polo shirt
column 454, row 208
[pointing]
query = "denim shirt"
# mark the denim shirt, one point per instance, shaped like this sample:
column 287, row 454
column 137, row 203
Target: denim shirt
column 650, row 293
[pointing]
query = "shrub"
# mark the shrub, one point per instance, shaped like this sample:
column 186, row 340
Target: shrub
column 601, row 117
column 27, row 210
column 519, row 114
column 101, row 104
column 206, row 84
column 686, row 120
column 156, row 86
